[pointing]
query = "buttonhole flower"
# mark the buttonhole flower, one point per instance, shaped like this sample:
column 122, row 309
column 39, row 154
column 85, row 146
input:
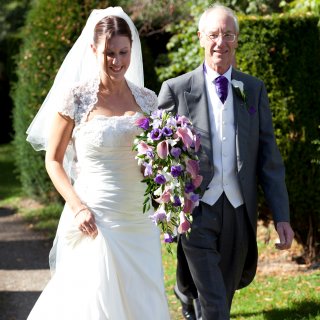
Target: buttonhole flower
column 239, row 88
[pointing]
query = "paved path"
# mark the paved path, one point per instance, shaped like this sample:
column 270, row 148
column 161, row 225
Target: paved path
column 24, row 269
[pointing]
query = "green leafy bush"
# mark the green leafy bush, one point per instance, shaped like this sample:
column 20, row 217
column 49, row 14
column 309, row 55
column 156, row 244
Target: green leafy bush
column 50, row 29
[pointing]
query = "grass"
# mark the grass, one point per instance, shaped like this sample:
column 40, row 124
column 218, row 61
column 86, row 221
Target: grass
column 277, row 297
column 9, row 186
column 44, row 218
column 285, row 296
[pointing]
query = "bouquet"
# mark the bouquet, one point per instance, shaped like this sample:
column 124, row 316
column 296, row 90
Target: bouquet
column 167, row 149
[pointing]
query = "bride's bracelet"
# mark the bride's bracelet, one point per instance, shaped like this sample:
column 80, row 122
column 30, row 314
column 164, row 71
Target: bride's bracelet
column 82, row 209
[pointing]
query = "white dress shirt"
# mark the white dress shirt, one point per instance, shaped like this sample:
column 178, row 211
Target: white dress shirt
column 223, row 142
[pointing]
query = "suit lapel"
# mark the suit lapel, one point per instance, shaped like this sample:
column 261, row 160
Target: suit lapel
column 197, row 104
column 242, row 122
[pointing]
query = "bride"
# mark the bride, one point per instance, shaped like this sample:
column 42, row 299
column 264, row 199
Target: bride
column 106, row 256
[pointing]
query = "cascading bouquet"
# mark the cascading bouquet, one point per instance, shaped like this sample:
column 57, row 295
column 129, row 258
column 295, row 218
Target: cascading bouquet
column 166, row 149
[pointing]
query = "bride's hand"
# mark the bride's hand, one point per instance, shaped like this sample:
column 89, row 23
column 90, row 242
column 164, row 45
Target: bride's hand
column 86, row 222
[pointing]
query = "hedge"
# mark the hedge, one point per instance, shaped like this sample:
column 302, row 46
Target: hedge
column 283, row 51
column 51, row 28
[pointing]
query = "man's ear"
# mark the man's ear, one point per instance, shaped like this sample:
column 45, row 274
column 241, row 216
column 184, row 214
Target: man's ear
column 201, row 40
column 236, row 44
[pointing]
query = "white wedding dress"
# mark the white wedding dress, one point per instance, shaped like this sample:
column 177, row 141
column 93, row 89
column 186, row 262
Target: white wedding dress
column 118, row 275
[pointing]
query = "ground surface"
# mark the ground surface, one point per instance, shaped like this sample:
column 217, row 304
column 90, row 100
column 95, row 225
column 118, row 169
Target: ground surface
column 24, row 264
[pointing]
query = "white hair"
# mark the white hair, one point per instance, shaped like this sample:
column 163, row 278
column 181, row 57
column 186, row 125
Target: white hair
column 230, row 13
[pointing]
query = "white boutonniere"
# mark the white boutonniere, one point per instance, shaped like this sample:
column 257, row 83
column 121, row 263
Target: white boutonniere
column 239, row 87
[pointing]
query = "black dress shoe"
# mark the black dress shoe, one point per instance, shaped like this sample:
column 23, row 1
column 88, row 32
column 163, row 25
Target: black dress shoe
column 187, row 309
column 188, row 312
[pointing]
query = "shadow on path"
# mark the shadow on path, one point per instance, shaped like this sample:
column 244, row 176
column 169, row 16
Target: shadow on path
column 24, row 255
column 21, row 248
column 24, row 265
column 17, row 305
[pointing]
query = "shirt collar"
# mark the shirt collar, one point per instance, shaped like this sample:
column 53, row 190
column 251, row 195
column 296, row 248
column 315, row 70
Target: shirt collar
column 212, row 75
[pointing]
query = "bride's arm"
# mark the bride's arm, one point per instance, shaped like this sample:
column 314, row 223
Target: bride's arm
column 59, row 138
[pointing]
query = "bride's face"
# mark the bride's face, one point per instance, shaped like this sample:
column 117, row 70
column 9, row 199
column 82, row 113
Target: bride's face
column 114, row 59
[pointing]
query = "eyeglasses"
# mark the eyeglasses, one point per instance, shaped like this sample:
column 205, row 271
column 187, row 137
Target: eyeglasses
column 227, row 37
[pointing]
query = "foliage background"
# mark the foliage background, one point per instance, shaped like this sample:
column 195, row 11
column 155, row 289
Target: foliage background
column 48, row 35
column 168, row 33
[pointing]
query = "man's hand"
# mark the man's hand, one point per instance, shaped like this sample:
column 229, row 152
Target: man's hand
column 286, row 235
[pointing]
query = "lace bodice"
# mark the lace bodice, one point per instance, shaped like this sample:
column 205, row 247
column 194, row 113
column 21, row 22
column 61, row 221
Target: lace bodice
column 80, row 100
column 103, row 131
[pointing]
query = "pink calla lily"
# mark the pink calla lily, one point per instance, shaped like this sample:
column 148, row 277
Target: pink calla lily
column 193, row 168
column 186, row 136
column 163, row 149
column 197, row 141
column 183, row 120
column 164, row 198
column 143, row 147
column 184, row 224
column 188, row 205
column 197, row 181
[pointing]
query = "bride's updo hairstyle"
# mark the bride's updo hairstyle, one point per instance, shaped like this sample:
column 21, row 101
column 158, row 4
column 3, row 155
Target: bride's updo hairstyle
column 109, row 27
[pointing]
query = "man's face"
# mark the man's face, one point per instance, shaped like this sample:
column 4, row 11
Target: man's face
column 215, row 39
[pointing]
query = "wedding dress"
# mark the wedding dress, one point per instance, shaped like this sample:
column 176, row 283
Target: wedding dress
column 118, row 275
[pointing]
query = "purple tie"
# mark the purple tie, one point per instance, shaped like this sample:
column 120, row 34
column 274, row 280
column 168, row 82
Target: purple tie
column 221, row 84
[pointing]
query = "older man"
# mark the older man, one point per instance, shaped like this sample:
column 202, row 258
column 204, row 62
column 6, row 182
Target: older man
column 231, row 111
